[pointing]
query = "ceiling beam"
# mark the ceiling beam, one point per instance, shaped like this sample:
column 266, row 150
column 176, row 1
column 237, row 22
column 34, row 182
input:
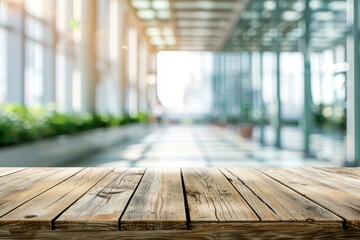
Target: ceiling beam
column 240, row 6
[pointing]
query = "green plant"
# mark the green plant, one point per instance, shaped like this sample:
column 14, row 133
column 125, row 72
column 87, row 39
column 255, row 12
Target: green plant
column 326, row 116
column 246, row 115
column 20, row 124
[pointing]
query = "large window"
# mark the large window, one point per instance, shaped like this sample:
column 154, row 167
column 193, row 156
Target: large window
column 35, row 28
column 43, row 54
column 184, row 82
column 33, row 73
column 3, row 51
column 292, row 73
column 3, row 12
column 63, row 56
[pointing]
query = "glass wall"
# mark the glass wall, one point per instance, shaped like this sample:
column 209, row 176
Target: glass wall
column 3, row 52
column 185, row 83
column 45, row 58
column 36, row 23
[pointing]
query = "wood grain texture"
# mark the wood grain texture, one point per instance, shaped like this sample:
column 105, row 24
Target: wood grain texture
column 285, row 203
column 39, row 212
column 20, row 187
column 213, row 202
column 84, row 202
column 350, row 172
column 7, row 171
column 344, row 204
column 257, row 204
column 101, row 207
column 341, row 182
column 179, row 235
column 158, row 203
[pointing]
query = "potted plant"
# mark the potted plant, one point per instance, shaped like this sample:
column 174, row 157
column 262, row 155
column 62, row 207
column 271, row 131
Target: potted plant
column 246, row 122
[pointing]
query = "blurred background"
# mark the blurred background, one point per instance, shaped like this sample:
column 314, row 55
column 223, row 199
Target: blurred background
column 250, row 83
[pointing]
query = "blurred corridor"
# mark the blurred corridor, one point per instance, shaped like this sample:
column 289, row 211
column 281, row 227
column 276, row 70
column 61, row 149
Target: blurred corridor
column 202, row 146
column 283, row 74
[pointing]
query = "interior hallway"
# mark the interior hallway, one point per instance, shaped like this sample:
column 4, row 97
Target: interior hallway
column 197, row 146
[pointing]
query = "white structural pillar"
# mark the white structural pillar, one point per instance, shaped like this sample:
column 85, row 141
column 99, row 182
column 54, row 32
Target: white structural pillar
column 133, row 66
column 143, row 72
column 152, row 97
column 16, row 58
column 64, row 90
column 353, row 88
column 88, row 55
column 123, row 56
column 49, row 94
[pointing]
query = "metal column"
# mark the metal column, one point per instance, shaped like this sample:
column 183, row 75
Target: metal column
column 353, row 88
column 215, row 86
column 307, row 121
column 263, row 107
column 223, row 106
column 278, row 76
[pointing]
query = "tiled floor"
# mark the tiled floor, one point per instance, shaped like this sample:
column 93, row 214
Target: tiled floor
column 197, row 146
column 325, row 145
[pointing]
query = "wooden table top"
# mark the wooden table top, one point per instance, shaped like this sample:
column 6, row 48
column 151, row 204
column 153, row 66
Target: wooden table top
column 198, row 199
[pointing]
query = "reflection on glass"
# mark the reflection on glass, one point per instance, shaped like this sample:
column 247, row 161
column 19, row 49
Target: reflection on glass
column 34, row 73
column 3, row 65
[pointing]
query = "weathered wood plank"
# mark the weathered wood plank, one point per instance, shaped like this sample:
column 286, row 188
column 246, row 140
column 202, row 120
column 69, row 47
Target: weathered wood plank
column 7, row 171
column 213, row 202
column 350, row 172
column 179, row 235
column 342, row 203
column 341, row 182
column 257, row 204
column 102, row 207
column 158, row 203
column 20, row 187
column 39, row 212
column 284, row 202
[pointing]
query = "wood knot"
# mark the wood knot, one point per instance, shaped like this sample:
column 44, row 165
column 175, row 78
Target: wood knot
column 310, row 220
column 30, row 216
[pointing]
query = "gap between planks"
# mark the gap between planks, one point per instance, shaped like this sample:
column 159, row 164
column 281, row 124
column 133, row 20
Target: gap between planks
column 304, row 186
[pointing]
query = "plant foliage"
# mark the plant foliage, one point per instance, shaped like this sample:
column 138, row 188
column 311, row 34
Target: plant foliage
column 19, row 124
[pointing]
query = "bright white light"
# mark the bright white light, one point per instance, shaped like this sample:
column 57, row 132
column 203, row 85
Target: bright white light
column 161, row 4
column 77, row 89
column 151, row 79
column 146, row 14
column 315, row 4
column 183, row 81
column 291, row 16
column 153, row 32
column 341, row 67
column 270, row 5
column 157, row 41
column 141, row 4
column 299, row 6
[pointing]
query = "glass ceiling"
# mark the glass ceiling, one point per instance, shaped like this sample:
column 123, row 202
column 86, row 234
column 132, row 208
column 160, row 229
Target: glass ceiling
column 185, row 24
column 260, row 23
column 244, row 25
